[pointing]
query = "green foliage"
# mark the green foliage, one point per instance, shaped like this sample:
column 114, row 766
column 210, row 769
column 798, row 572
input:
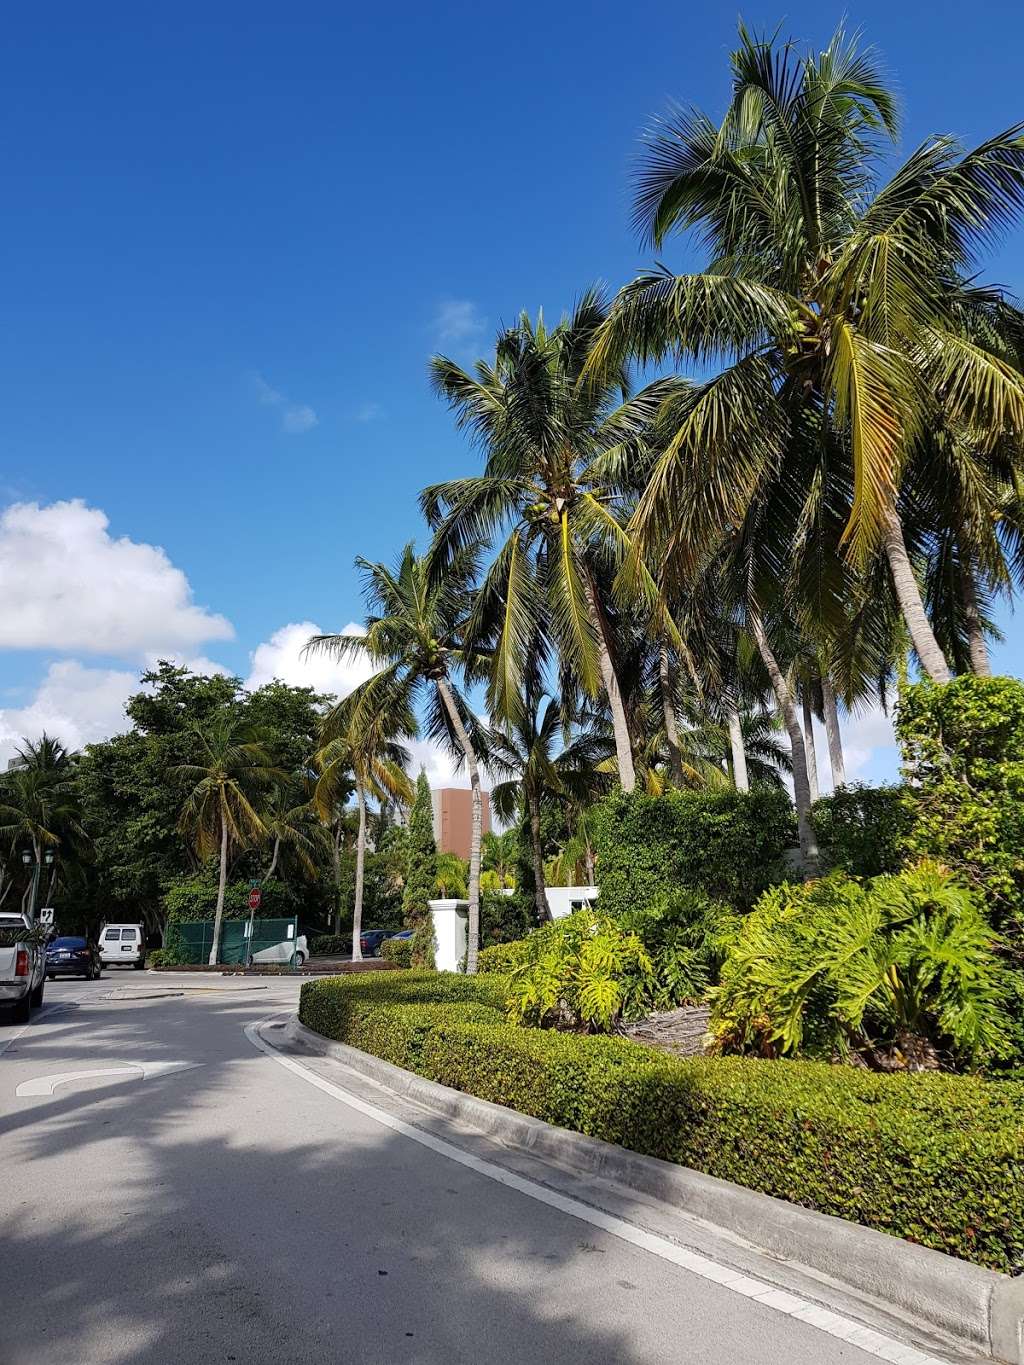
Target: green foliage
column 936, row 1159
column 399, row 952
column 195, row 897
column 503, row 917
column 963, row 754
column 728, row 844
column 899, row 970
column 421, row 874
column 687, row 937
column 502, row 958
column 584, row 971
column 863, row 830
column 331, row 945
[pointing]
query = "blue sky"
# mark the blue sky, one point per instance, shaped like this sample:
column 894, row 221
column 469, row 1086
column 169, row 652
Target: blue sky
column 235, row 233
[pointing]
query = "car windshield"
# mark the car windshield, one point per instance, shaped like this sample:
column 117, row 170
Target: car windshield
column 68, row 943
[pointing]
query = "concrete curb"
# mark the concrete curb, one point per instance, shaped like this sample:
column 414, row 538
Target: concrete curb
column 980, row 1308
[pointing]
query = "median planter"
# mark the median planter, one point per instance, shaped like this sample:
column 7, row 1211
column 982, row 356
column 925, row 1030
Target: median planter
column 937, row 1160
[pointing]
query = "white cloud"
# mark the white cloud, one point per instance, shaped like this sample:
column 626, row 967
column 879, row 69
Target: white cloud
column 298, row 418
column 368, row 412
column 295, row 417
column 459, row 323
column 282, row 657
column 870, row 752
column 79, row 705
column 66, row 584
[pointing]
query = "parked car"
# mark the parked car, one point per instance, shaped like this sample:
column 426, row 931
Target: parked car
column 125, row 943
column 404, row 933
column 73, row 957
column 22, row 969
column 282, row 952
column 370, row 941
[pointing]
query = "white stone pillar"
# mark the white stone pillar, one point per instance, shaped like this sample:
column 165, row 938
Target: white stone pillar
column 451, row 923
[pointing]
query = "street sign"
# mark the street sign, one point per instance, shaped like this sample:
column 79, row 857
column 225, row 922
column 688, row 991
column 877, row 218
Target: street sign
column 255, row 896
column 46, row 915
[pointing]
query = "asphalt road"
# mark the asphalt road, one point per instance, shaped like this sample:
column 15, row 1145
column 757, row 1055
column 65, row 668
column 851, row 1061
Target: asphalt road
column 228, row 1210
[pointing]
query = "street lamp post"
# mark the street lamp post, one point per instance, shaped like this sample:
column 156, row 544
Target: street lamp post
column 36, row 865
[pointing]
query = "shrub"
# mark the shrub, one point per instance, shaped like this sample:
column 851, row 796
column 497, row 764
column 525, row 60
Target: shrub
column 161, row 957
column 504, row 918
column 687, row 936
column 726, row 844
column 398, row 950
column 935, row 1159
column 589, row 971
column 863, row 830
column 331, row 945
column 899, row 970
column 963, row 753
column 503, row 957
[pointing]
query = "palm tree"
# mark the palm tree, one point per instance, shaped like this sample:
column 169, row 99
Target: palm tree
column 557, row 478
column 838, row 307
column 415, row 634
column 360, row 739
column 499, row 855
column 222, row 807
column 39, row 808
column 540, row 759
column 290, row 822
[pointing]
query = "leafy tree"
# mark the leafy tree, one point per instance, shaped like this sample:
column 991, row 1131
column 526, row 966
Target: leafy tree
column 421, row 875
column 39, row 813
column 222, row 808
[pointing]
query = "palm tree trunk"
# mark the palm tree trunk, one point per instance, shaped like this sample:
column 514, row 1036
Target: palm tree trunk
column 465, row 744
column 357, row 904
column 801, row 786
column 810, row 747
column 739, row 754
column 222, row 882
column 336, row 859
column 908, row 594
column 833, row 734
column 537, row 847
column 975, row 634
column 669, row 711
column 273, row 861
column 620, row 725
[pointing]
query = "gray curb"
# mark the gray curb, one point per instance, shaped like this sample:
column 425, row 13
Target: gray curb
column 980, row 1308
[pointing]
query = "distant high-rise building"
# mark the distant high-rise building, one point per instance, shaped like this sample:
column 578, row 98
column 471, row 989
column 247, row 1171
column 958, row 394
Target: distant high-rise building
column 453, row 819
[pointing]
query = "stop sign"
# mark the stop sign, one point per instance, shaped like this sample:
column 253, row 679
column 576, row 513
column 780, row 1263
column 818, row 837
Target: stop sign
column 255, row 896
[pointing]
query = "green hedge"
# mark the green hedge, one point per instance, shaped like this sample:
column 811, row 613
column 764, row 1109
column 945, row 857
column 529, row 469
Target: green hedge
column 963, row 753
column 863, row 830
column 501, row 958
column 936, row 1159
column 728, row 844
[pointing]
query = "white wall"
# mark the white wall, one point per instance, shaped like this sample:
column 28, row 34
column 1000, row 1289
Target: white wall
column 562, row 900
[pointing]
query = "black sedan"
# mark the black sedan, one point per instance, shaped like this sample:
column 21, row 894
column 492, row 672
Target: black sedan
column 73, row 957
column 370, row 941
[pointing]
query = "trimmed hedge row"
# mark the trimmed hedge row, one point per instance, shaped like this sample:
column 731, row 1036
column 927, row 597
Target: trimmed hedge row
column 938, row 1160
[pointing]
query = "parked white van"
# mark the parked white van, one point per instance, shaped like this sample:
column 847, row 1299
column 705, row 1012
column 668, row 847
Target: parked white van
column 123, row 943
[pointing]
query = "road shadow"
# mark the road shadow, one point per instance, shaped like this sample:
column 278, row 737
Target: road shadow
column 260, row 1222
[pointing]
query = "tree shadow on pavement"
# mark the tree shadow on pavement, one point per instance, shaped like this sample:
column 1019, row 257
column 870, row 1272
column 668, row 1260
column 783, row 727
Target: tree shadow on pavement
column 235, row 1213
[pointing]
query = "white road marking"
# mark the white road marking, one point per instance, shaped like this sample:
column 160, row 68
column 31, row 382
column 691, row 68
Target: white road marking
column 803, row 1310
column 46, row 1085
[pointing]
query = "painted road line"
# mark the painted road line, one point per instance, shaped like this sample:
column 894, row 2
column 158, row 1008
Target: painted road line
column 46, row 1085
column 846, row 1329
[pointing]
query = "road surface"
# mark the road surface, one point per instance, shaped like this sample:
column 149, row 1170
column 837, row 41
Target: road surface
column 192, row 1200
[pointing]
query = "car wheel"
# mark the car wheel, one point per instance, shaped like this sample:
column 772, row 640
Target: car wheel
column 138, row 965
column 36, row 998
column 300, row 959
column 20, row 1012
